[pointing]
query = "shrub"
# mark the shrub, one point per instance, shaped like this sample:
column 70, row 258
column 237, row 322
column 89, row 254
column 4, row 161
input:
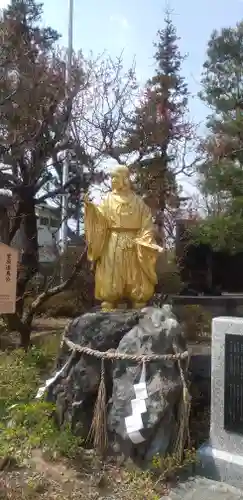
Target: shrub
column 18, row 379
column 66, row 305
column 171, row 465
column 32, row 425
column 196, row 322
column 26, row 423
column 169, row 281
column 21, row 374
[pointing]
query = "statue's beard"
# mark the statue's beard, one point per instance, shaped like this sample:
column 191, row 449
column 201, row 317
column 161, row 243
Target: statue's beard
column 121, row 188
column 117, row 188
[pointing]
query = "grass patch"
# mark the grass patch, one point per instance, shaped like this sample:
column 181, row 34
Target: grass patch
column 25, row 423
column 30, row 426
column 21, row 374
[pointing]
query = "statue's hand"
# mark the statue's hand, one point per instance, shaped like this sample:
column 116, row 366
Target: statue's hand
column 88, row 203
column 86, row 199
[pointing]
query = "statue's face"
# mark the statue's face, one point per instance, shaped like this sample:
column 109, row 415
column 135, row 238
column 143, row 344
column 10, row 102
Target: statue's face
column 120, row 181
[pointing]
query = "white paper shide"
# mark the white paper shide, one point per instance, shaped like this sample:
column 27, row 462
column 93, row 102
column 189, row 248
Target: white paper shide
column 49, row 382
column 134, row 423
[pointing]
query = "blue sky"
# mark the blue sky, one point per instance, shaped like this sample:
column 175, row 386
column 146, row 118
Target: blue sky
column 131, row 25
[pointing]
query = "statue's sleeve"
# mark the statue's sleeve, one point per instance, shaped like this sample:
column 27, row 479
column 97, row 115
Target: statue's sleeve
column 146, row 233
column 96, row 226
column 147, row 249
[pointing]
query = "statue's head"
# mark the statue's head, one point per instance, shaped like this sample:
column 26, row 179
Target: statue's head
column 120, row 179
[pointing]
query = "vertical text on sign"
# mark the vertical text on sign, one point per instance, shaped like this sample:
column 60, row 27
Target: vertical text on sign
column 233, row 388
column 8, row 267
column 8, row 272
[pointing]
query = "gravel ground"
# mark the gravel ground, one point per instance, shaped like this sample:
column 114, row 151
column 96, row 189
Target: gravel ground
column 40, row 479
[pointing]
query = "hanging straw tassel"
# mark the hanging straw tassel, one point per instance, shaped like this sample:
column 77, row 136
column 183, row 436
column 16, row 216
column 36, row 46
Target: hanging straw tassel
column 98, row 429
column 183, row 433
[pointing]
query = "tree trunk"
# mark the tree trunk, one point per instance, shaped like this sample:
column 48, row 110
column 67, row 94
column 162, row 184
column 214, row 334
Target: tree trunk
column 159, row 223
column 16, row 325
column 25, row 336
column 29, row 259
column 4, row 225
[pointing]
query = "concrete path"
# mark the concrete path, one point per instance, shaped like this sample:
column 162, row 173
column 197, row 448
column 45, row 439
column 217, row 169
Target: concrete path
column 199, row 488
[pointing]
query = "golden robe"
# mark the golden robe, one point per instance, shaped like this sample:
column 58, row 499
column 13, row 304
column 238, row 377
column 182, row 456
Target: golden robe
column 120, row 238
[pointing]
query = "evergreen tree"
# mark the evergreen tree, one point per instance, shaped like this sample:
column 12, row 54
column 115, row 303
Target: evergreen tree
column 158, row 129
column 222, row 172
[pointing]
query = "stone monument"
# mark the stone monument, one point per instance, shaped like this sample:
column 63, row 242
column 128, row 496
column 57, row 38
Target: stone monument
column 222, row 457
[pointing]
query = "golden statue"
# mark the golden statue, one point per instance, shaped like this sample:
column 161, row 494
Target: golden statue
column 120, row 237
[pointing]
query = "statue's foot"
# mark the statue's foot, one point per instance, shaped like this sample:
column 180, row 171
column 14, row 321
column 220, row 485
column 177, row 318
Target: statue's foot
column 122, row 306
column 107, row 306
column 138, row 305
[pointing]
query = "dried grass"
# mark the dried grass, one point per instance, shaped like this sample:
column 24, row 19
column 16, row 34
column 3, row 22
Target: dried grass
column 98, row 429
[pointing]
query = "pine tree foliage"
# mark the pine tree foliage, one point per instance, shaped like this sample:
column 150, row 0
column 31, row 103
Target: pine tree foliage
column 159, row 129
column 222, row 171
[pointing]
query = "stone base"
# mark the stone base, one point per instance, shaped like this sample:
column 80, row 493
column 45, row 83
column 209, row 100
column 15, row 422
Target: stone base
column 198, row 488
column 220, row 466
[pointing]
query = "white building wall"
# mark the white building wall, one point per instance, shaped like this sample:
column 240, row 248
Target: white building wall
column 47, row 227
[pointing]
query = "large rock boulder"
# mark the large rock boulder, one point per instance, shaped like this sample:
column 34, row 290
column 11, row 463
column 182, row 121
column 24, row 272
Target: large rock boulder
column 158, row 332
column 74, row 390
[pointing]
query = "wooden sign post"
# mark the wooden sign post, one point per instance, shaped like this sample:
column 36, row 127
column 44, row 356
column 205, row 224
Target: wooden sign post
column 8, row 278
